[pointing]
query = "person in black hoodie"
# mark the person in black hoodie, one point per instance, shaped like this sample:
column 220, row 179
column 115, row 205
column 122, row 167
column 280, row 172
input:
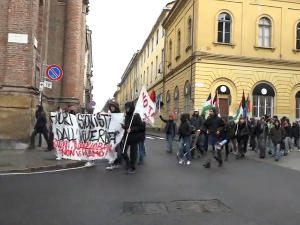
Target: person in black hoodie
column 197, row 122
column 214, row 126
column 230, row 135
column 40, row 127
column 262, row 132
column 141, row 144
column 288, row 135
column 276, row 136
column 115, row 108
column 185, row 132
column 295, row 129
column 170, row 131
column 133, row 126
column 242, row 130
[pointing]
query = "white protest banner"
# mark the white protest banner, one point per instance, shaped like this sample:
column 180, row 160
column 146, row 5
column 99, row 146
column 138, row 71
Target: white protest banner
column 87, row 136
column 145, row 107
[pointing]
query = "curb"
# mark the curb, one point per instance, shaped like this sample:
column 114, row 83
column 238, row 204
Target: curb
column 44, row 168
column 155, row 135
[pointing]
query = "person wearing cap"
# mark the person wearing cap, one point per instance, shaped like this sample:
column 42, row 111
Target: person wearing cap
column 170, row 131
column 197, row 122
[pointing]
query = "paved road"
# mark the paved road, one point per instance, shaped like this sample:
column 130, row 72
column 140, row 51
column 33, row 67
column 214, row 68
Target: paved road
column 256, row 192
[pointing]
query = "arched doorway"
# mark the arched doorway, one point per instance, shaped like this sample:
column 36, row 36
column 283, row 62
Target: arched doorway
column 263, row 100
column 224, row 100
column 297, row 106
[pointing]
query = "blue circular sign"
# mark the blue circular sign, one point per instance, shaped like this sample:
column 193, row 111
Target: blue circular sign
column 54, row 73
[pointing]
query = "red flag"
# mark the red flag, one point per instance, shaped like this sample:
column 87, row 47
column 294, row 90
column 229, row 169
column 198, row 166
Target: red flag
column 152, row 96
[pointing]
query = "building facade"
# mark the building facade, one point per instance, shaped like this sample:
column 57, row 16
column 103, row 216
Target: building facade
column 231, row 47
column 88, row 83
column 35, row 34
column 147, row 65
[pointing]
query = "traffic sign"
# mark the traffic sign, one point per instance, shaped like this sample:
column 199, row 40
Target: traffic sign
column 93, row 103
column 48, row 84
column 54, row 72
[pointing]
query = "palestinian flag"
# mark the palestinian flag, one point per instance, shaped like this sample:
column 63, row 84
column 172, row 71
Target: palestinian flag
column 248, row 104
column 207, row 105
column 216, row 99
column 240, row 110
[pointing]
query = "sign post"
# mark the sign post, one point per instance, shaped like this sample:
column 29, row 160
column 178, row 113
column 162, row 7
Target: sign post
column 53, row 73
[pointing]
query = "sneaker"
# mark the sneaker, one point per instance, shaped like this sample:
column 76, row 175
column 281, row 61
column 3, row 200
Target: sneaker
column 89, row 164
column 180, row 161
column 188, row 162
column 58, row 158
column 112, row 167
column 207, row 165
column 131, row 171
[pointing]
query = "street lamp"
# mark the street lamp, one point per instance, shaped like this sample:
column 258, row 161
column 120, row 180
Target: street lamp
column 160, row 72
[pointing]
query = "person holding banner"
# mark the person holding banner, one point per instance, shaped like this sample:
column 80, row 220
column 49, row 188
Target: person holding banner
column 114, row 108
column 133, row 126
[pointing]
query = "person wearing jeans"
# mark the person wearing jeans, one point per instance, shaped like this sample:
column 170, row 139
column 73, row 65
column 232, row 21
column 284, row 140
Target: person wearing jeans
column 170, row 131
column 185, row 134
column 141, row 144
column 276, row 136
column 288, row 141
column 214, row 126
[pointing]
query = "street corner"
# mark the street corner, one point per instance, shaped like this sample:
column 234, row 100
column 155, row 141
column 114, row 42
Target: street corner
column 61, row 164
column 12, row 161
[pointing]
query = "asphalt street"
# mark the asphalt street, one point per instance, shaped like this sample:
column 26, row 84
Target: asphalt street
column 243, row 192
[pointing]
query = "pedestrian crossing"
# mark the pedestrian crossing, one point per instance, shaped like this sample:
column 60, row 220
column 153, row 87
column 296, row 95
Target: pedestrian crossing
column 155, row 138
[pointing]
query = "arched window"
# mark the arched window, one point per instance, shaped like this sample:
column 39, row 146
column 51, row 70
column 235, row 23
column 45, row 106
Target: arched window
column 264, row 32
column 224, row 28
column 297, row 105
column 190, row 32
column 176, row 98
column 298, row 37
column 168, row 101
column 263, row 100
column 170, row 51
column 178, row 43
column 187, row 97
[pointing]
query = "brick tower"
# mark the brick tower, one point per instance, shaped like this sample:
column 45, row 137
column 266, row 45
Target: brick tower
column 34, row 34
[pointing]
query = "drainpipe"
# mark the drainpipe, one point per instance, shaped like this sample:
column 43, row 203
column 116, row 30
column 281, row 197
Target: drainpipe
column 192, row 52
column 164, row 59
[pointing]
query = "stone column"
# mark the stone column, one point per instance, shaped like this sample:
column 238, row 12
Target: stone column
column 72, row 50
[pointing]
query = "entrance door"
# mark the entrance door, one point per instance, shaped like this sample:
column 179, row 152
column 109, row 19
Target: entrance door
column 224, row 108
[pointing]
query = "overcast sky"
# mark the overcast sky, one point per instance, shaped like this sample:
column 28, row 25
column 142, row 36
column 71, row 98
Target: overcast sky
column 119, row 29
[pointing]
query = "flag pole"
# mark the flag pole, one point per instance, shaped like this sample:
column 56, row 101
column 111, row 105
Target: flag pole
column 159, row 104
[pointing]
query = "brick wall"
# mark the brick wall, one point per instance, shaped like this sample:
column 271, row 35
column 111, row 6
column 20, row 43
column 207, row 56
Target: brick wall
column 59, row 26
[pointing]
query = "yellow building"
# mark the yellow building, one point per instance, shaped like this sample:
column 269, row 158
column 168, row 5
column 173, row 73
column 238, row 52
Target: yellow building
column 231, row 47
column 146, row 65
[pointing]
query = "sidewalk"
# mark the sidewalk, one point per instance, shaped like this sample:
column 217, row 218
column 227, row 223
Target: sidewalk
column 292, row 161
column 33, row 160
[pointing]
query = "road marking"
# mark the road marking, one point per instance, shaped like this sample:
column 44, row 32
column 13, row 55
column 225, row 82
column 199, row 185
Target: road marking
column 160, row 138
column 42, row 172
column 150, row 137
